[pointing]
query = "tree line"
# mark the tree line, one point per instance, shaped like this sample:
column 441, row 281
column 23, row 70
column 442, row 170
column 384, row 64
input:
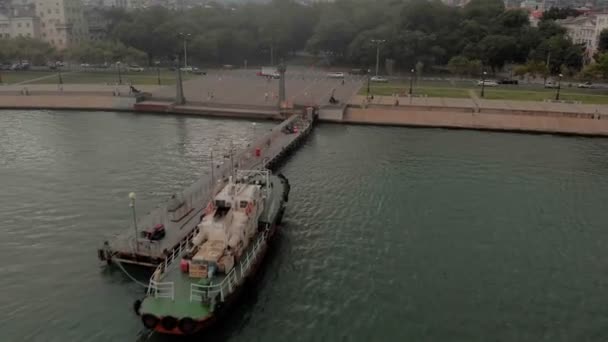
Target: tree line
column 482, row 35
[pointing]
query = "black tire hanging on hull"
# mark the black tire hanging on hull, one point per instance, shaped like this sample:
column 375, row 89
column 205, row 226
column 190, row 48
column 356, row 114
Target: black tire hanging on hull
column 168, row 322
column 187, row 326
column 137, row 307
column 149, row 321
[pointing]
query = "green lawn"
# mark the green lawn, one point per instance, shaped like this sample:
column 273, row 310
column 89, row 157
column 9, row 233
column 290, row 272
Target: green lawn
column 461, row 89
column 11, row 77
column 141, row 78
column 429, row 91
column 545, row 94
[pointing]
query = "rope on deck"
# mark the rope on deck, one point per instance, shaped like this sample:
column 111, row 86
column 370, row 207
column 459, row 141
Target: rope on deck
column 130, row 276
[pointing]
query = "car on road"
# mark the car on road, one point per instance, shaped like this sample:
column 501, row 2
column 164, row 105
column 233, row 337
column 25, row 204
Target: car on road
column 335, row 75
column 379, row 79
column 487, row 83
column 135, row 68
column 508, row 81
column 20, row 66
column 198, row 71
column 358, row 72
column 587, row 85
column 193, row 70
column 551, row 85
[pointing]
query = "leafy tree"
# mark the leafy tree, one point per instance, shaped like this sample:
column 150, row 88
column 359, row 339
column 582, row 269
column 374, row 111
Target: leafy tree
column 459, row 65
column 603, row 42
column 555, row 13
column 26, row 49
column 496, row 50
column 599, row 69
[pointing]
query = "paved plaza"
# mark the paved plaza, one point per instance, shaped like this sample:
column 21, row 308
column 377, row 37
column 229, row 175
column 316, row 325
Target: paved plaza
column 304, row 86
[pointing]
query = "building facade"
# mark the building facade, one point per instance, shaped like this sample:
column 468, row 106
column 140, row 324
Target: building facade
column 581, row 30
column 13, row 27
column 97, row 23
column 62, row 22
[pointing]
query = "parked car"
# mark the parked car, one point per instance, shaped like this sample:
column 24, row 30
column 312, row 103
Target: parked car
column 4, row 66
column 85, row 65
column 551, row 84
column 379, row 79
column 198, row 71
column 155, row 233
column 186, row 69
column 588, row 85
column 335, row 75
column 20, row 66
column 508, row 81
column 135, row 68
column 358, row 72
column 487, row 83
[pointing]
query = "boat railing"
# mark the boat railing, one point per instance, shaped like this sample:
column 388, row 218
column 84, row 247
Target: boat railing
column 200, row 292
column 153, row 286
column 162, row 289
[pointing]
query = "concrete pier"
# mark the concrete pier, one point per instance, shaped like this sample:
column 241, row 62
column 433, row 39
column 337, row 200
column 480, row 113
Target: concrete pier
column 184, row 210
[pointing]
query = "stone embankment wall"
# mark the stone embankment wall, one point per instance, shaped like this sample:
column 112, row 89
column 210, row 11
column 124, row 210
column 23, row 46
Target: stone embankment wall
column 490, row 119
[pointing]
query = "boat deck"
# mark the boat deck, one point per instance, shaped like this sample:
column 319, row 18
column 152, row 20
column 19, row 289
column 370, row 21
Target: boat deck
column 181, row 306
column 180, row 224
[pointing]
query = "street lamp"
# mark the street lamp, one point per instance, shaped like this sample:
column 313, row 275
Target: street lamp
column 119, row 75
column 158, row 71
column 186, row 36
column 411, row 81
column 132, row 205
column 559, row 86
column 378, row 42
column 59, row 74
column 212, row 167
column 483, row 83
column 369, row 71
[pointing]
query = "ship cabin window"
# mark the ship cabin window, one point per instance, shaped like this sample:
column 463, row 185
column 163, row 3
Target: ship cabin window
column 244, row 204
column 222, row 204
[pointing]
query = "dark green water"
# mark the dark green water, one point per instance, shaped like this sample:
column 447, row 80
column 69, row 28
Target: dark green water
column 391, row 234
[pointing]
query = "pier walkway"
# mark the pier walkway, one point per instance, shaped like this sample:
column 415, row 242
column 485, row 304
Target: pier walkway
column 184, row 210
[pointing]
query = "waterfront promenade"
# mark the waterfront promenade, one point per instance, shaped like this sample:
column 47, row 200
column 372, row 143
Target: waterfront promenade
column 243, row 94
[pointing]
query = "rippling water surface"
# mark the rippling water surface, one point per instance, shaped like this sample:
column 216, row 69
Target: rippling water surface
column 390, row 234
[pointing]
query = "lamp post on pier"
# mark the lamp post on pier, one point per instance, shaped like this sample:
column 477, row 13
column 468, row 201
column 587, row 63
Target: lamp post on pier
column 378, row 42
column 411, row 82
column 60, row 76
column 158, row 71
column 483, row 83
column 119, row 75
column 212, row 169
column 559, row 86
column 369, row 71
column 186, row 36
column 132, row 206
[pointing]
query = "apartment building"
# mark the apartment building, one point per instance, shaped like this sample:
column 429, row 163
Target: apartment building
column 62, row 22
column 581, row 30
column 18, row 19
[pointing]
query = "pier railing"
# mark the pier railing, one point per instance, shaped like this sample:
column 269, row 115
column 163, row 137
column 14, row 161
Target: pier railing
column 211, row 292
